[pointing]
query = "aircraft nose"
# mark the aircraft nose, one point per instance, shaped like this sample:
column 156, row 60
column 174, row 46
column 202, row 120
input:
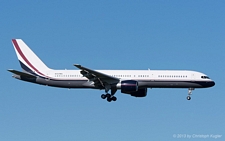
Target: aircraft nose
column 211, row 83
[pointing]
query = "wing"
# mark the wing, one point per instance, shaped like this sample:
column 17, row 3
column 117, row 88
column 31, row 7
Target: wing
column 99, row 79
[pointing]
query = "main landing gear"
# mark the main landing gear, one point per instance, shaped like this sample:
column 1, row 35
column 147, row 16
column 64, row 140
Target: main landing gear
column 107, row 96
column 189, row 93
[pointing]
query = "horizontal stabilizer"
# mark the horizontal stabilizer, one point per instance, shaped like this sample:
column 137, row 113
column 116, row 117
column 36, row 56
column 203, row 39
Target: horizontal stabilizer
column 27, row 75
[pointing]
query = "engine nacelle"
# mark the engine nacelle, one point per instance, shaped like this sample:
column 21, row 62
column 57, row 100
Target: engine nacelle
column 128, row 86
column 140, row 93
column 131, row 87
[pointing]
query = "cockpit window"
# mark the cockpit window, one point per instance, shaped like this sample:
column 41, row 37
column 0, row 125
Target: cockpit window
column 205, row 77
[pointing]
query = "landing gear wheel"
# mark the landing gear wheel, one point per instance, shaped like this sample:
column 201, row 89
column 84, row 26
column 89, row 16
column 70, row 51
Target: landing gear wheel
column 114, row 98
column 188, row 98
column 108, row 95
column 103, row 96
column 109, row 99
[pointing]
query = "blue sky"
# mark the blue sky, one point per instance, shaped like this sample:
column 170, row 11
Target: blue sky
column 173, row 35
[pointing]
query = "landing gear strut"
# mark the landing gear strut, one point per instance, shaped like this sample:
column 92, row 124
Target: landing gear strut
column 107, row 96
column 189, row 93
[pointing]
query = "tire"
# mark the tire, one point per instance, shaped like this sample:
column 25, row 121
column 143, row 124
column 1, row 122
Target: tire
column 103, row 96
column 108, row 95
column 188, row 98
column 109, row 99
column 114, row 98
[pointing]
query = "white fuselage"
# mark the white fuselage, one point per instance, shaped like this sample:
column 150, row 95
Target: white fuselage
column 166, row 75
column 146, row 78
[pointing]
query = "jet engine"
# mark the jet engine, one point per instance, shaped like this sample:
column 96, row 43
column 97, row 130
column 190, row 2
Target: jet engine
column 131, row 87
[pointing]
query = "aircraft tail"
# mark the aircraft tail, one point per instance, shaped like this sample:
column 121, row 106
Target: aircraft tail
column 29, row 61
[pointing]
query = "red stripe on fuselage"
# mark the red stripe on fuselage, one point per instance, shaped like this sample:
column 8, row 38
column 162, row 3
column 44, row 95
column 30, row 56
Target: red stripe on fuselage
column 24, row 57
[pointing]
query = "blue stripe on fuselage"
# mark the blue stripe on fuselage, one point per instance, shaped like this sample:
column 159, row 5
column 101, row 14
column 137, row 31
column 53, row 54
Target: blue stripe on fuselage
column 27, row 69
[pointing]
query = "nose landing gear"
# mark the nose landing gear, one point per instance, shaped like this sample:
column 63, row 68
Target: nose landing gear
column 189, row 93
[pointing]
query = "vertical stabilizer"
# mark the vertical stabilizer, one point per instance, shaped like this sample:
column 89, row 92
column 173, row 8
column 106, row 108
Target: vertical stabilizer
column 29, row 61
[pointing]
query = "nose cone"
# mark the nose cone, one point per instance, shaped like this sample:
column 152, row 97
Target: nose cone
column 210, row 84
column 213, row 83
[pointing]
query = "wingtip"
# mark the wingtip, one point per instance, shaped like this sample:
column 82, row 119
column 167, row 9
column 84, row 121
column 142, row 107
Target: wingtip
column 10, row 70
column 77, row 65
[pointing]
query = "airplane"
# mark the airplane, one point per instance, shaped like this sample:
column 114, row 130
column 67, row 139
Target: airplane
column 131, row 82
